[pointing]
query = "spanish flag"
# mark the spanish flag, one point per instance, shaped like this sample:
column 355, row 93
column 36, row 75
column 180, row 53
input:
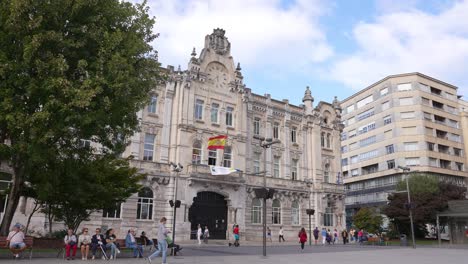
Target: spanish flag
column 217, row 142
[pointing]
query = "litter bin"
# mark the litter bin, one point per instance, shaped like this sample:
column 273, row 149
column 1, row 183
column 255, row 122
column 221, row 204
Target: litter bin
column 403, row 240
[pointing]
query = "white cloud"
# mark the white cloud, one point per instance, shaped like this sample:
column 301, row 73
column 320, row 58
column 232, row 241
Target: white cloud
column 263, row 33
column 408, row 41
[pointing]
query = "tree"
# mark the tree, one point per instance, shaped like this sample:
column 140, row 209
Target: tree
column 69, row 70
column 368, row 219
column 429, row 195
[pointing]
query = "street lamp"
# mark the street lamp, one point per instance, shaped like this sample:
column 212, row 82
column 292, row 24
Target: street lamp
column 265, row 143
column 175, row 203
column 310, row 211
column 406, row 171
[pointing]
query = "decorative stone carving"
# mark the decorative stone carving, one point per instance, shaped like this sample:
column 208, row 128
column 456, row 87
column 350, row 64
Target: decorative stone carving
column 218, row 42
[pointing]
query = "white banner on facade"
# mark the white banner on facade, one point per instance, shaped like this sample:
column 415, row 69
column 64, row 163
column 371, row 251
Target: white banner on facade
column 217, row 170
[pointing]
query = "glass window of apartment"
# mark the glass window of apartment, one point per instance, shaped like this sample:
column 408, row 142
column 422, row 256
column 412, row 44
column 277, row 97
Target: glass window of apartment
column 256, row 162
column 344, row 136
column 112, row 212
column 148, row 151
column 451, row 109
column 367, row 141
column 256, row 211
column 214, row 113
column 145, row 204
column 354, row 159
column 411, row 146
column 153, row 104
column 424, row 87
column 350, row 109
column 453, row 123
column 227, row 160
column 387, row 120
column 295, row 213
column 389, row 149
column 354, row 172
column 276, row 167
column 351, row 121
column 404, row 87
column 459, row 166
column 425, row 101
column 385, row 105
column 294, row 175
column 256, row 126
column 276, row 212
column 408, row 130
column 365, row 114
column 344, row 162
column 388, row 134
column 276, row 130
column 433, row 162
column 197, row 152
column 407, row 115
column 429, row 131
column 445, row 164
column 364, row 101
column 353, row 146
column 412, row 161
column 322, row 139
column 294, row 134
column 368, row 155
column 390, row 164
column 457, row 152
column 212, row 155
column 367, row 128
column 406, row 101
column 427, row 116
column 352, row 133
column 344, row 149
column 229, row 116
column 384, row 91
column 454, row 137
column 430, row 146
column 328, row 140
column 326, row 173
column 328, row 216
column 199, row 109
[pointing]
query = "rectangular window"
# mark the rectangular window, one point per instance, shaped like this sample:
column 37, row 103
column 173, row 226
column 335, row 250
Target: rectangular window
column 148, row 151
column 457, row 152
column 433, row 162
column 256, row 126
column 351, row 121
column 354, row 172
column 199, row 109
column 350, row 109
column 229, row 116
column 257, row 213
column 112, row 212
column 384, row 91
column 152, row 105
column 276, row 130
column 214, row 113
column 389, row 149
column 276, row 167
column 454, row 137
column 293, row 134
column 368, row 155
column 430, row 146
column 344, row 162
column 365, row 114
column 406, row 101
column 352, row 133
column 366, row 128
column 227, row 159
column 344, row 149
column 451, row 109
column 390, row 164
column 354, row 159
column 409, row 130
column 459, row 166
column 412, row 161
column 294, row 175
column 276, row 215
column 364, row 101
column 328, row 217
column 367, row 141
column 387, row 120
column 385, row 106
column 353, row 146
column 407, row 115
column 427, row 116
column 344, row 136
column 425, row 101
column 404, row 87
column 429, row 131
column 424, row 87
column 453, row 123
column 212, row 155
column 256, row 162
column 411, row 146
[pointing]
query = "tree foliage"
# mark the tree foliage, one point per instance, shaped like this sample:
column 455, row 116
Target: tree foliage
column 368, row 219
column 428, row 196
column 69, row 70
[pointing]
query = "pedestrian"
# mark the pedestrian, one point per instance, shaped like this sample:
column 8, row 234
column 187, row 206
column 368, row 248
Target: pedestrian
column 324, row 236
column 70, row 244
column 360, row 234
column 98, row 241
column 351, row 234
column 316, row 235
column 344, row 235
column 269, row 234
column 302, row 238
column 356, row 234
column 281, row 234
column 335, row 236
column 206, row 235
column 329, row 237
column 199, row 234
column 162, row 243
column 111, row 242
column 15, row 241
column 84, row 241
column 130, row 242
column 236, row 236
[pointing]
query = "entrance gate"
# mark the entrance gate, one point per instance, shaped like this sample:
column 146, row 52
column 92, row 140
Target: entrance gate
column 209, row 209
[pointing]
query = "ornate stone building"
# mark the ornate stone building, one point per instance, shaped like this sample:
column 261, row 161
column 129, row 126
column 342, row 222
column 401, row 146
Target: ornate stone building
column 207, row 99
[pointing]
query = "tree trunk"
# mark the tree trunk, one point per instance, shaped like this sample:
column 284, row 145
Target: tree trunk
column 13, row 200
column 35, row 209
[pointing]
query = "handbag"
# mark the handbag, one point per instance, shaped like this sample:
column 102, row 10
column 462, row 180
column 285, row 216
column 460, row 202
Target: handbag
column 169, row 240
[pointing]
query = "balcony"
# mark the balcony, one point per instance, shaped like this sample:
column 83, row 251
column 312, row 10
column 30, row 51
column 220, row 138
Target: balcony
column 440, row 119
column 444, row 149
column 445, row 164
column 202, row 173
column 436, row 91
column 437, row 105
column 441, row 134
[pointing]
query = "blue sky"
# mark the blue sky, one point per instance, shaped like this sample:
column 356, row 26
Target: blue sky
column 335, row 47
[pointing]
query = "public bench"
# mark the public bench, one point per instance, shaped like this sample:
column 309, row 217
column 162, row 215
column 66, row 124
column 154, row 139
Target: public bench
column 377, row 241
column 29, row 241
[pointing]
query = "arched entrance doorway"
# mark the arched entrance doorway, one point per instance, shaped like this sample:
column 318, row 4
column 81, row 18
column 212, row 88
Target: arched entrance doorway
column 209, row 209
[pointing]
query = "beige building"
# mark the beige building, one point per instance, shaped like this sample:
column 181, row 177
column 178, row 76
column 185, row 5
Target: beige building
column 402, row 120
column 208, row 99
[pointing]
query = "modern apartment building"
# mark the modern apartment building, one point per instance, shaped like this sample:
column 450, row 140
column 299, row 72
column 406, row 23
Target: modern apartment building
column 402, row 120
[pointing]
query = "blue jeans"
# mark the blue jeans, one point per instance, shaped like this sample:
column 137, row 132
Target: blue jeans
column 137, row 250
column 113, row 248
column 162, row 248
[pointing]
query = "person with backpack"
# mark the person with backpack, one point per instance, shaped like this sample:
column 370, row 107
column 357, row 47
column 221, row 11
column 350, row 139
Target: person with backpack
column 302, row 238
column 71, row 243
column 316, row 235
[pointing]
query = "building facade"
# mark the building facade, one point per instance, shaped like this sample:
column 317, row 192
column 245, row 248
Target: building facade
column 208, row 99
column 402, row 120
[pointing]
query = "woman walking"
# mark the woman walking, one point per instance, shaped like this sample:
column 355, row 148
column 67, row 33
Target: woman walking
column 316, row 235
column 84, row 241
column 199, row 234
column 302, row 238
column 335, row 236
column 162, row 243
column 206, row 235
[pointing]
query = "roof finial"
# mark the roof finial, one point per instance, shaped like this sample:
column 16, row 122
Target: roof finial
column 308, row 95
column 238, row 68
column 194, row 53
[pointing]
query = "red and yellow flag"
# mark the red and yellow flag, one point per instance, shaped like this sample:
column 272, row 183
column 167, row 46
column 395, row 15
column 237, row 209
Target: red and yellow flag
column 217, row 142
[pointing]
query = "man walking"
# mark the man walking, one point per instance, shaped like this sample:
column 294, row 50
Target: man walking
column 281, row 234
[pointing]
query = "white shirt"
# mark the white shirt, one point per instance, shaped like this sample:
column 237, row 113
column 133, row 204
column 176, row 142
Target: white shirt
column 281, row 232
column 18, row 238
column 199, row 232
column 132, row 238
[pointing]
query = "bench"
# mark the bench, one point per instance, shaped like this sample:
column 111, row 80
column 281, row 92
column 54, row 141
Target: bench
column 29, row 241
column 377, row 241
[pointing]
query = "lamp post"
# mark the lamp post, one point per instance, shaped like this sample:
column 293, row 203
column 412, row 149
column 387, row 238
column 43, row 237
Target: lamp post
column 265, row 143
column 310, row 211
column 175, row 203
column 410, row 207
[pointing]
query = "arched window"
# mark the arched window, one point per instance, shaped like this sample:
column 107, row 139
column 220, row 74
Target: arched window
column 227, row 159
column 322, row 140
column 328, row 215
column 295, row 213
column 145, row 204
column 276, row 212
column 197, row 152
column 256, row 211
column 326, row 173
column 328, row 140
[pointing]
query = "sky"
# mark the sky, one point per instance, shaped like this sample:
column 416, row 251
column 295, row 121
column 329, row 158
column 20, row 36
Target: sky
column 335, row 47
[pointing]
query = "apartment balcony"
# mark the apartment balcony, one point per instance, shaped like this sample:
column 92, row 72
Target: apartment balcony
column 201, row 173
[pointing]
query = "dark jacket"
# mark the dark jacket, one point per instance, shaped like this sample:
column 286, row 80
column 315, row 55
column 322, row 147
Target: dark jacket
column 94, row 239
column 316, row 233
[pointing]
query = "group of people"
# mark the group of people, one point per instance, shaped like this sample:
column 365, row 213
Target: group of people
column 202, row 234
column 329, row 237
